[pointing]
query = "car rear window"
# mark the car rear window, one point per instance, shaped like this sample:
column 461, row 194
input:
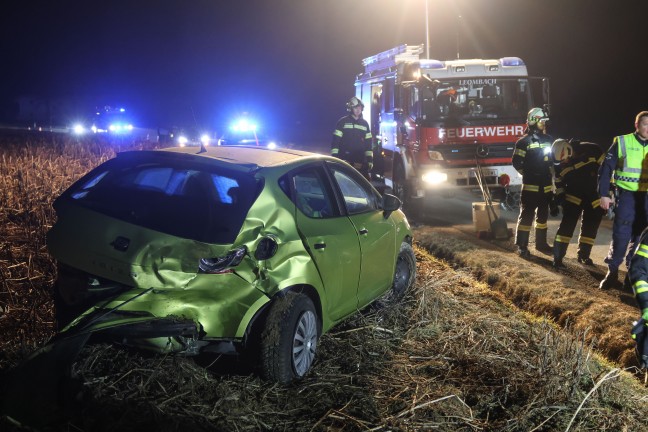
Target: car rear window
column 194, row 201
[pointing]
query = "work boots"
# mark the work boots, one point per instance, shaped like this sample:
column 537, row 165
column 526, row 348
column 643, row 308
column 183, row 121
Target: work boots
column 559, row 252
column 584, row 251
column 541, row 241
column 610, row 279
column 522, row 242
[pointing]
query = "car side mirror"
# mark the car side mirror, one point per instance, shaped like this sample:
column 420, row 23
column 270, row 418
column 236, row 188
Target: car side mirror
column 390, row 203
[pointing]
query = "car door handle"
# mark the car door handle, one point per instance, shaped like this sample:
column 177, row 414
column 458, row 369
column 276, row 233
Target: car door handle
column 320, row 246
column 364, row 231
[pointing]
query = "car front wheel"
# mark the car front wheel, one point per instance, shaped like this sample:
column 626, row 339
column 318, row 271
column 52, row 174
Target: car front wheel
column 289, row 340
column 404, row 274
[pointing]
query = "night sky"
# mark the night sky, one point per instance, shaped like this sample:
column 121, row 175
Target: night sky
column 292, row 63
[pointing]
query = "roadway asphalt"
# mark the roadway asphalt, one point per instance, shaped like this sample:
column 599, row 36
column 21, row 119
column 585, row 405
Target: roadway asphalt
column 457, row 212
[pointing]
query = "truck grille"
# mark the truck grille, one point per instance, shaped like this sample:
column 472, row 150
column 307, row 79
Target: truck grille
column 472, row 151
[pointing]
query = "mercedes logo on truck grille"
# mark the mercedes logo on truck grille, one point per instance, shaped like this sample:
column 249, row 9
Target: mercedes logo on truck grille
column 482, row 150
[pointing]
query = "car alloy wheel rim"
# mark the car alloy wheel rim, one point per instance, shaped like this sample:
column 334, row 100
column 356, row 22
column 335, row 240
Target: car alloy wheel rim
column 304, row 343
column 402, row 274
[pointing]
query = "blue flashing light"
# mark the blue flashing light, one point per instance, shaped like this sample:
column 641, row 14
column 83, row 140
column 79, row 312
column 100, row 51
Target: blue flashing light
column 432, row 64
column 512, row 61
column 120, row 128
column 243, row 125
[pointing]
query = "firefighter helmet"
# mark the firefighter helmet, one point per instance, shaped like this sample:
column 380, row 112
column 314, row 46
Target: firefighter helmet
column 537, row 117
column 562, row 150
column 354, row 102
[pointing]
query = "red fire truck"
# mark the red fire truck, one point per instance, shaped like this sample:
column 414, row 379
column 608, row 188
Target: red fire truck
column 436, row 121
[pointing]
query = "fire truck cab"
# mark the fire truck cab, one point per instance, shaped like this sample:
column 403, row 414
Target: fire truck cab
column 436, row 121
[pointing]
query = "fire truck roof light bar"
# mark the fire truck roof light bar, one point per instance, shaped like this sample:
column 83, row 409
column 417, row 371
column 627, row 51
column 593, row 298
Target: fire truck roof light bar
column 401, row 53
column 512, row 61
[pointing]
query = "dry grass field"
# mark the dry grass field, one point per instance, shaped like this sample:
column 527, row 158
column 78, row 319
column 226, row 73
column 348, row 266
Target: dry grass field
column 481, row 344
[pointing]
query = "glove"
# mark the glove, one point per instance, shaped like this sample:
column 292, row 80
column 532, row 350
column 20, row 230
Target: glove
column 638, row 333
column 369, row 166
column 553, row 207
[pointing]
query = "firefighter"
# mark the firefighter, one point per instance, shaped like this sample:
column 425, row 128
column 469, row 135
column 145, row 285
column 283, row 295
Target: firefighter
column 352, row 140
column 576, row 170
column 623, row 163
column 533, row 160
column 638, row 279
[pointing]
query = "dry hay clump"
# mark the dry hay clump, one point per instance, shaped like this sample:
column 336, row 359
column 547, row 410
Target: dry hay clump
column 454, row 356
column 33, row 172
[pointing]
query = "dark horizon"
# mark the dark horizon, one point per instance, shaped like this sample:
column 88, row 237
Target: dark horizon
column 292, row 64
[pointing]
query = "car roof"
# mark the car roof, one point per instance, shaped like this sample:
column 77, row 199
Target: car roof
column 248, row 156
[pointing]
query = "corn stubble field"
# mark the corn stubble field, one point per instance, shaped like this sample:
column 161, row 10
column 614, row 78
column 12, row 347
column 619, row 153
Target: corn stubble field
column 455, row 356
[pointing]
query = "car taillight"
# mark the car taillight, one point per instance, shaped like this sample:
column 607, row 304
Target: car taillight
column 222, row 264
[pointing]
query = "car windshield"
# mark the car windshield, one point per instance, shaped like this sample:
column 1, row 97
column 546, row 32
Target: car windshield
column 194, row 201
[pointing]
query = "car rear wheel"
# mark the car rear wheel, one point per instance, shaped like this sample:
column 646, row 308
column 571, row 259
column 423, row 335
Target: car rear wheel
column 289, row 340
column 404, row 274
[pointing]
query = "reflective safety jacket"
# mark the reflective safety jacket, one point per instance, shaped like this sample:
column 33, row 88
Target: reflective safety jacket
column 532, row 159
column 631, row 156
column 576, row 177
column 352, row 140
column 613, row 163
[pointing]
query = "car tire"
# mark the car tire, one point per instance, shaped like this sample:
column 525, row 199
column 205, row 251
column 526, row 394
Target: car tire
column 289, row 340
column 404, row 274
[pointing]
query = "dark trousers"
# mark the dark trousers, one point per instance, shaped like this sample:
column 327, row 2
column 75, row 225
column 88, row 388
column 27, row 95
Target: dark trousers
column 357, row 160
column 629, row 221
column 592, row 214
column 533, row 205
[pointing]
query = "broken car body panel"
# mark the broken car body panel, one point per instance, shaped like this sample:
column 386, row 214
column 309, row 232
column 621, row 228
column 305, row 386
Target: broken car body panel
column 221, row 305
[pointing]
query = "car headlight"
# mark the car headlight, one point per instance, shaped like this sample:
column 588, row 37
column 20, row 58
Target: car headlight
column 204, row 139
column 272, row 145
column 435, row 177
column 182, row 140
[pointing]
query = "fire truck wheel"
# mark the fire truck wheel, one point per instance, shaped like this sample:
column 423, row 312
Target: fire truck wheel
column 399, row 184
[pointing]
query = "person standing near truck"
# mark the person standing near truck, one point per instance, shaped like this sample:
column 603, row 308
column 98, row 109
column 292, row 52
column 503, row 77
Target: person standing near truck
column 624, row 163
column 352, row 139
column 533, row 160
column 576, row 170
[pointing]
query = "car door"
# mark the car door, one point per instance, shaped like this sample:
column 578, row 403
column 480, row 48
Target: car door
column 376, row 233
column 331, row 239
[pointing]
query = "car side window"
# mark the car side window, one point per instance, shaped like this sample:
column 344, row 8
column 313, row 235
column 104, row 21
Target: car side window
column 358, row 197
column 311, row 194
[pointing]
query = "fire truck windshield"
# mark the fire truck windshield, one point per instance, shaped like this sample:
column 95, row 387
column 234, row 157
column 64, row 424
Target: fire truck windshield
column 471, row 101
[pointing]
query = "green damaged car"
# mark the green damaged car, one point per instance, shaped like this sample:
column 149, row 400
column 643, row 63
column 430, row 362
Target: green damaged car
column 226, row 250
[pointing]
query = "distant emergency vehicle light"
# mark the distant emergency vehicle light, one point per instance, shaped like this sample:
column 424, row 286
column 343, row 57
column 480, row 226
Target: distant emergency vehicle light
column 243, row 125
